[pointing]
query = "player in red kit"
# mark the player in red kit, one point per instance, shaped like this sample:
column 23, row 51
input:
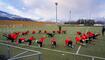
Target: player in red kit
column 13, row 37
column 21, row 40
column 68, row 43
column 84, row 39
column 45, row 32
column 79, row 33
column 33, row 32
column 41, row 41
column 53, row 42
column 77, row 38
column 30, row 40
column 91, row 36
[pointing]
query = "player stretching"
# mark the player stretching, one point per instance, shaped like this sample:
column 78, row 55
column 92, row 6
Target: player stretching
column 53, row 42
column 41, row 41
column 21, row 40
column 30, row 40
column 77, row 38
column 103, row 30
column 68, row 43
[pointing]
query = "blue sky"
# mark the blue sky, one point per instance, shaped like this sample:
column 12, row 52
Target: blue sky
column 44, row 10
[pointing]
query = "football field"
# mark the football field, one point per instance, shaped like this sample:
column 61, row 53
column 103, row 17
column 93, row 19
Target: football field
column 94, row 51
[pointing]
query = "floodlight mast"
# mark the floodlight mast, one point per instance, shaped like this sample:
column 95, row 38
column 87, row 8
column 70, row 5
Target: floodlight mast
column 70, row 16
column 59, row 26
column 56, row 4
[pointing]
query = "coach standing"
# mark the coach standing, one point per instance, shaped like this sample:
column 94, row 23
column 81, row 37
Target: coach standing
column 103, row 30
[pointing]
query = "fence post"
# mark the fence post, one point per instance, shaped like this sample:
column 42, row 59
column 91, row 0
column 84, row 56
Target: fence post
column 92, row 58
column 40, row 56
column 8, row 52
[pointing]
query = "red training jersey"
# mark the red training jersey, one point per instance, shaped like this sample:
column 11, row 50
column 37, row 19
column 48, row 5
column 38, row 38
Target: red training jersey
column 31, row 38
column 77, row 39
column 67, row 41
column 22, row 39
column 42, row 39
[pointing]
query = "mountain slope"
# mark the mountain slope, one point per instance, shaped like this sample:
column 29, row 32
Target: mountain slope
column 7, row 16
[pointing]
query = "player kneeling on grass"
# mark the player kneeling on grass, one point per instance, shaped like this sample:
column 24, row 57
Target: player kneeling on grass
column 12, row 37
column 92, row 36
column 79, row 33
column 50, row 34
column 84, row 39
column 69, row 43
column 33, row 32
column 39, row 31
column 21, row 40
column 30, row 40
column 77, row 38
column 45, row 32
column 41, row 41
column 53, row 42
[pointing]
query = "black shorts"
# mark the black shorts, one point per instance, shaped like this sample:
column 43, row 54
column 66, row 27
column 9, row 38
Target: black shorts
column 30, row 42
column 87, row 41
column 40, row 43
column 94, row 37
column 69, row 44
column 81, row 41
column 54, row 43
column 12, row 40
column 20, row 41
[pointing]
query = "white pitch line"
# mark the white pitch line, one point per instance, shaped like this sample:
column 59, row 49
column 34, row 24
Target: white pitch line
column 68, row 52
column 78, row 49
column 20, row 48
column 20, row 54
column 22, row 57
column 54, row 51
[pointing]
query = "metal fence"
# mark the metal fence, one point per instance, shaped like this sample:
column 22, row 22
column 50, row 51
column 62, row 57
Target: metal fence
column 9, row 52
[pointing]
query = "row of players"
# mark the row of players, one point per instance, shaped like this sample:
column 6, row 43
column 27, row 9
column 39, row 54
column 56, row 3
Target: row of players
column 40, row 31
column 81, row 38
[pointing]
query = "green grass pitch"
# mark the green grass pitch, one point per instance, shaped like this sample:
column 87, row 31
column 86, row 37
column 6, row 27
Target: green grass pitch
column 60, row 52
